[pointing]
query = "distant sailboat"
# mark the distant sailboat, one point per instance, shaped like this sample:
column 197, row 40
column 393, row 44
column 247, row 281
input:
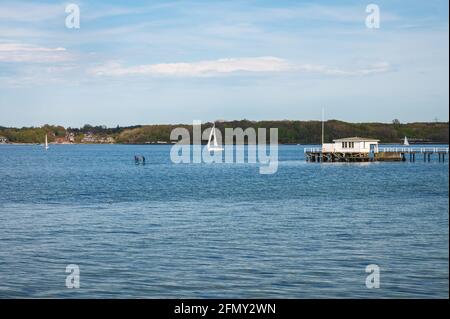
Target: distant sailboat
column 46, row 142
column 406, row 143
column 212, row 136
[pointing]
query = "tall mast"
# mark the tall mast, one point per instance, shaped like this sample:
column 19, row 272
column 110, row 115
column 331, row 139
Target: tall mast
column 323, row 123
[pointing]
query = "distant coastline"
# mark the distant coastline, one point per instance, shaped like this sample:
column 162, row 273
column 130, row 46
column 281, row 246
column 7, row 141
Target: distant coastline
column 172, row 143
column 289, row 132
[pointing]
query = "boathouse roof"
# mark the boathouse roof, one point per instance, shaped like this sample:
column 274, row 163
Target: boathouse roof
column 355, row 139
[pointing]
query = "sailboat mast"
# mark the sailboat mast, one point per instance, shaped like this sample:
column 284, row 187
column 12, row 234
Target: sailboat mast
column 323, row 124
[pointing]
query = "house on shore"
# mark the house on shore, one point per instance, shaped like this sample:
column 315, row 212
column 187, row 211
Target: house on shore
column 70, row 137
column 3, row 140
column 90, row 138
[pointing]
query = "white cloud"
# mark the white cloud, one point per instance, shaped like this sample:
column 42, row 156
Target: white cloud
column 380, row 67
column 18, row 52
column 230, row 66
column 195, row 69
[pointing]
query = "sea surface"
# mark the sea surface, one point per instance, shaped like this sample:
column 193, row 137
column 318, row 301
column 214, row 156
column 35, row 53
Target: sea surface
column 167, row 230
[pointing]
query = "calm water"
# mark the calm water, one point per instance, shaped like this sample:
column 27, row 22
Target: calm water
column 218, row 230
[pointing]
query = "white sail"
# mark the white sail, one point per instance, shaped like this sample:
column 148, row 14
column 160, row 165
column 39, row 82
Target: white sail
column 215, row 139
column 46, row 142
column 212, row 136
column 406, row 143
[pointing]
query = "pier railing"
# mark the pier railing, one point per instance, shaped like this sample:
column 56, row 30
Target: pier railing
column 312, row 149
column 414, row 149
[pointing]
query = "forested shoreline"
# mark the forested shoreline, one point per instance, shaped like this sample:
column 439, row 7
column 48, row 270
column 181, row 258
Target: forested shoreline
column 289, row 132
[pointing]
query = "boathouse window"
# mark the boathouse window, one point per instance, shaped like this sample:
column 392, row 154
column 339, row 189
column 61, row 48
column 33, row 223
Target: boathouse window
column 348, row 144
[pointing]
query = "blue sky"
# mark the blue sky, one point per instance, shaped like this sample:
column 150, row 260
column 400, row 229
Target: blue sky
column 145, row 62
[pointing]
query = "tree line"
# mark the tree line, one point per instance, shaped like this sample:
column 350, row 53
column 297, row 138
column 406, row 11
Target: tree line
column 289, row 132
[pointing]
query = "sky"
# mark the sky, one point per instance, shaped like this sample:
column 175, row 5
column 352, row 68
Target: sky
column 150, row 62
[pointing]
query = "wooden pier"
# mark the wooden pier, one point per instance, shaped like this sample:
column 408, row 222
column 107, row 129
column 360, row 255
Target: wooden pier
column 387, row 154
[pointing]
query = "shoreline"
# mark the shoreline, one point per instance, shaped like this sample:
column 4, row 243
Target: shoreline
column 159, row 144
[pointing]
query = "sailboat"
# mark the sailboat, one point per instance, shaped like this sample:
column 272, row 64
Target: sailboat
column 46, row 142
column 406, row 143
column 212, row 136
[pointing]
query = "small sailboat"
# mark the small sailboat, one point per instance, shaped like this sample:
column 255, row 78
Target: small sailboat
column 212, row 138
column 46, row 142
column 405, row 142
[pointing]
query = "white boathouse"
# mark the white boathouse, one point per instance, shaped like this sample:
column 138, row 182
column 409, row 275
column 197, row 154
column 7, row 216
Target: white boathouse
column 352, row 145
column 350, row 149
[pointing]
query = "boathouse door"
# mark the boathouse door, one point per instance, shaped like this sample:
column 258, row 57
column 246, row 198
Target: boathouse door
column 372, row 151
